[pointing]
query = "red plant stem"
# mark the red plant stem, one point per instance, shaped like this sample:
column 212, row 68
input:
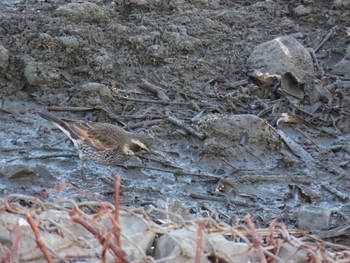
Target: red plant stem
column 256, row 239
column 39, row 241
column 18, row 233
column 116, row 209
column 118, row 252
column 199, row 242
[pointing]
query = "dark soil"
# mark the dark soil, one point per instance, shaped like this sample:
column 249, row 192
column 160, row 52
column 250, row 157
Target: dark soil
column 195, row 52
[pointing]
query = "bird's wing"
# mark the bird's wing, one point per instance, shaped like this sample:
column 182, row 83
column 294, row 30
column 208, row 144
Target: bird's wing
column 102, row 136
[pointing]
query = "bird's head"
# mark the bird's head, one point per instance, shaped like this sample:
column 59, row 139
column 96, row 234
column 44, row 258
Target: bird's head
column 137, row 144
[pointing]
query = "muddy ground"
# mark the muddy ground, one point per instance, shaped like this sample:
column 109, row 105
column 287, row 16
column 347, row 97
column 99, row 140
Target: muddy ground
column 94, row 66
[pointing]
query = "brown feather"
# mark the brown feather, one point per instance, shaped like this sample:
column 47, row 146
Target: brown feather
column 101, row 136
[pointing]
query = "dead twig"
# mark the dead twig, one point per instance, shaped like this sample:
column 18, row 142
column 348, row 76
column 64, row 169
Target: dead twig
column 334, row 191
column 48, row 156
column 199, row 242
column 6, row 111
column 186, row 127
column 72, row 109
column 144, row 124
column 316, row 62
column 328, row 36
column 142, row 117
column 159, row 102
column 158, row 91
column 165, row 163
column 256, row 238
column 118, row 252
column 116, row 209
column 10, row 255
column 223, row 199
column 39, row 241
column 236, row 84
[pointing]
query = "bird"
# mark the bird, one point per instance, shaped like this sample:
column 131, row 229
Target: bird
column 102, row 143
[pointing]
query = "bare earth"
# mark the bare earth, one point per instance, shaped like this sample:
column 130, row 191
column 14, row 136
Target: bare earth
column 158, row 67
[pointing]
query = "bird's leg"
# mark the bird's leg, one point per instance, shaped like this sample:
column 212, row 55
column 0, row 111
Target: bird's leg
column 81, row 166
column 109, row 168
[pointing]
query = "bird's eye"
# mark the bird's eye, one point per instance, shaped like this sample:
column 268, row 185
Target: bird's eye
column 135, row 147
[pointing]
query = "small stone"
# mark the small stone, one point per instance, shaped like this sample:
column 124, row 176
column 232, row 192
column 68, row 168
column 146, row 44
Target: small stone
column 301, row 10
column 342, row 68
column 338, row 4
column 70, row 42
column 88, row 12
column 92, row 86
column 4, row 57
column 314, row 218
column 177, row 208
column 31, row 72
column 347, row 54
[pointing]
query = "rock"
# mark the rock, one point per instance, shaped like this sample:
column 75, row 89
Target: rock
column 92, row 86
column 138, row 233
column 4, row 57
column 88, row 12
column 70, row 42
column 179, row 212
column 339, row 4
column 37, row 73
column 286, row 250
column 234, row 137
column 233, row 127
column 281, row 55
column 342, row 68
column 145, row 3
column 31, row 72
column 347, row 55
column 102, row 89
column 314, row 218
column 18, row 171
column 180, row 245
column 301, row 10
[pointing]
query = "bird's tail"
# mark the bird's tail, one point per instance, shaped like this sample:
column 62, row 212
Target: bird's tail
column 52, row 118
column 62, row 125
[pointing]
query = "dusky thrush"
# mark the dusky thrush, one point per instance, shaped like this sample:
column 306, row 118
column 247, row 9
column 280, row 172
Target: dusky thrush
column 102, row 143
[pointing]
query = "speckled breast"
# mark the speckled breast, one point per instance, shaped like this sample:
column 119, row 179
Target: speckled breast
column 109, row 157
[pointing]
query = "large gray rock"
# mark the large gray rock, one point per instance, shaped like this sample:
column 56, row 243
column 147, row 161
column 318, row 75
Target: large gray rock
column 281, row 55
column 88, row 12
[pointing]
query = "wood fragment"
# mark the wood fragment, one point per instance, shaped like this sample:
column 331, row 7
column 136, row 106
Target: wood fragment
column 39, row 240
column 70, row 109
column 334, row 191
column 256, row 238
column 223, row 200
column 236, row 84
column 186, row 127
column 328, row 36
column 143, row 124
column 159, row 101
column 158, row 91
column 48, row 156
column 300, row 152
column 6, row 111
column 116, row 210
column 199, row 242
column 316, row 62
